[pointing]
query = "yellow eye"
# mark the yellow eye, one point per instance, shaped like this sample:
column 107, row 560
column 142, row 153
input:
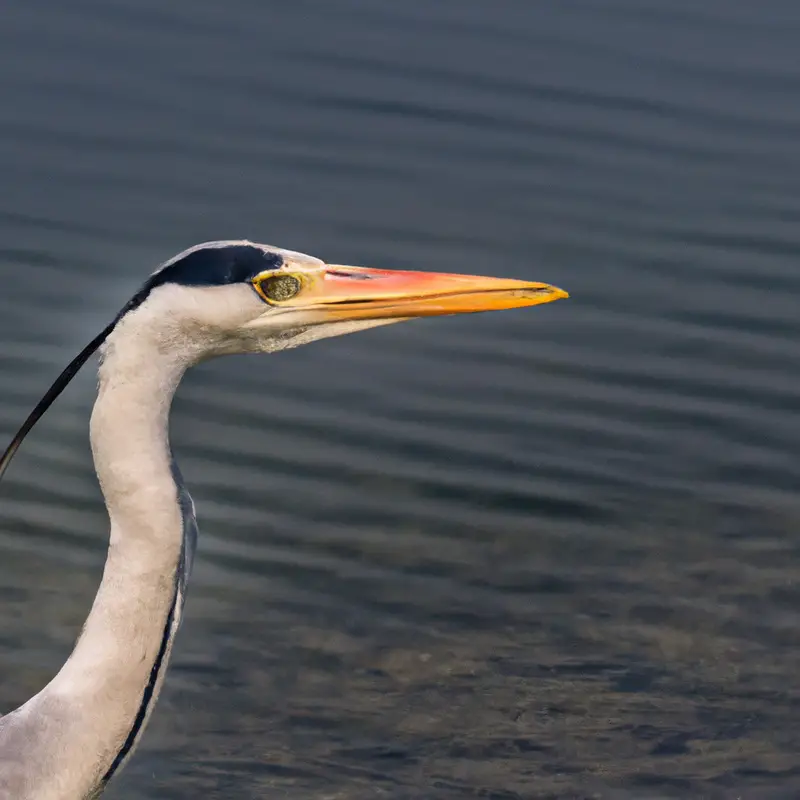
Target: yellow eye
column 277, row 288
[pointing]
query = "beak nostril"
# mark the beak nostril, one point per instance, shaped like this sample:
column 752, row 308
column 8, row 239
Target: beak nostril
column 356, row 276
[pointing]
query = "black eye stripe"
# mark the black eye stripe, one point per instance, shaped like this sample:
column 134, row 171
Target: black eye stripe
column 209, row 266
column 217, row 266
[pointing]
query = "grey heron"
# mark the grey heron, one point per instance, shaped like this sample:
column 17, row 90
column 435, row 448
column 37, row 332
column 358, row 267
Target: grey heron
column 217, row 298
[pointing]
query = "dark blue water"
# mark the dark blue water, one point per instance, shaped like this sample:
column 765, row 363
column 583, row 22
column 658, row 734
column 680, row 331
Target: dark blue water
column 544, row 553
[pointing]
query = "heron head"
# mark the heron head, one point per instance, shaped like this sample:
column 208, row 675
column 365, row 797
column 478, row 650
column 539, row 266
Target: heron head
column 242, row 297
column 239, row 296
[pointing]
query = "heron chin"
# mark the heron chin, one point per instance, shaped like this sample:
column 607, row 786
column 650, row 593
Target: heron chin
column 218, row 298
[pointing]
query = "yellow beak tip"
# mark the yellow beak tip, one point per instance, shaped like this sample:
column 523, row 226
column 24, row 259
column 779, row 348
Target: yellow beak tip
column 553, row 293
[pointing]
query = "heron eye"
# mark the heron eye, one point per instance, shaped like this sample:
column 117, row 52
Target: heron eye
column 280, row 287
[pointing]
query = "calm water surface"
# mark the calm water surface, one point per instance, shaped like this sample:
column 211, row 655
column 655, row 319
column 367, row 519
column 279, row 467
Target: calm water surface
column 542, row 554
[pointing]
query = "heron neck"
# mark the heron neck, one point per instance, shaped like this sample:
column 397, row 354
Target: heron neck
column 130, row 446
column 113, row 676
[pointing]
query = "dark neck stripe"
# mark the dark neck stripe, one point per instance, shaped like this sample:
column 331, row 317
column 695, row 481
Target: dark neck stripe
column 147, row 696
column 182, row 573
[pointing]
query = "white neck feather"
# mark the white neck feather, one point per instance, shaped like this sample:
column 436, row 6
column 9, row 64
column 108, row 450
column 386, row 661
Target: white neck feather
column 89, row 718
column 129, row 436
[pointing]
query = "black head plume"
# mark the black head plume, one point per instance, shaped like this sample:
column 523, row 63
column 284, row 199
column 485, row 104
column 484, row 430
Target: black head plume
column 51, row 394
column 209, row 264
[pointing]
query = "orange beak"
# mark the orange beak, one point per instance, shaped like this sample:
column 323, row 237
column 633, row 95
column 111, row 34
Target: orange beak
column 340, row 292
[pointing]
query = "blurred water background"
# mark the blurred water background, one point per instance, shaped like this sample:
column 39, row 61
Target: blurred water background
column 549, row 553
